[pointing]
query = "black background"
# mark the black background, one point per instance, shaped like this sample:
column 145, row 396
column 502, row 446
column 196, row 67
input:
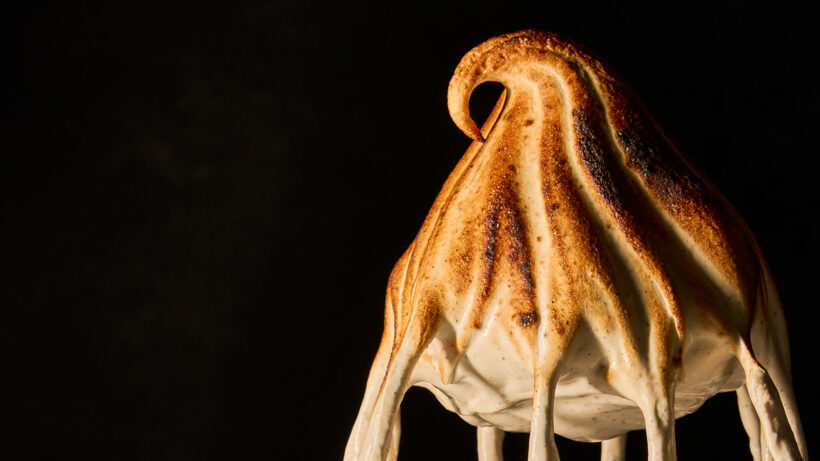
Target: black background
column 202, row 205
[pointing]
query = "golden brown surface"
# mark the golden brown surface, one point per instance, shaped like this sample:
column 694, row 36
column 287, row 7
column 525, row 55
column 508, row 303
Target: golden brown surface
column 574, row 234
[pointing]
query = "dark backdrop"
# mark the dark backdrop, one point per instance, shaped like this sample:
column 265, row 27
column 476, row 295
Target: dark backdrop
column 202, row 205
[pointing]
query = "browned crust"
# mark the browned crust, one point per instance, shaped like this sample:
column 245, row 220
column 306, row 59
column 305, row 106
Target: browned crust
column 614, row 197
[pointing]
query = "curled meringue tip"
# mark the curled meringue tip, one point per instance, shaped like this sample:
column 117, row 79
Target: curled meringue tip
column 459, row 112
column 475, row 134
column 475, row 68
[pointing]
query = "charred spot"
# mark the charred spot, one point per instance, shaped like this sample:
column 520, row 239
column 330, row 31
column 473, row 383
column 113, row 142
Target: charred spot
column 553, row 207
column 527, row 319
column 491, row 233
column 648, row 155
column 515, row 224
column 518, row 252
column 505, row 234
column 590, row 141
column 489, row 250
column 646, row 158
column 489, row 244
column 529, row 122
column 641, row 155
column 526, row 266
